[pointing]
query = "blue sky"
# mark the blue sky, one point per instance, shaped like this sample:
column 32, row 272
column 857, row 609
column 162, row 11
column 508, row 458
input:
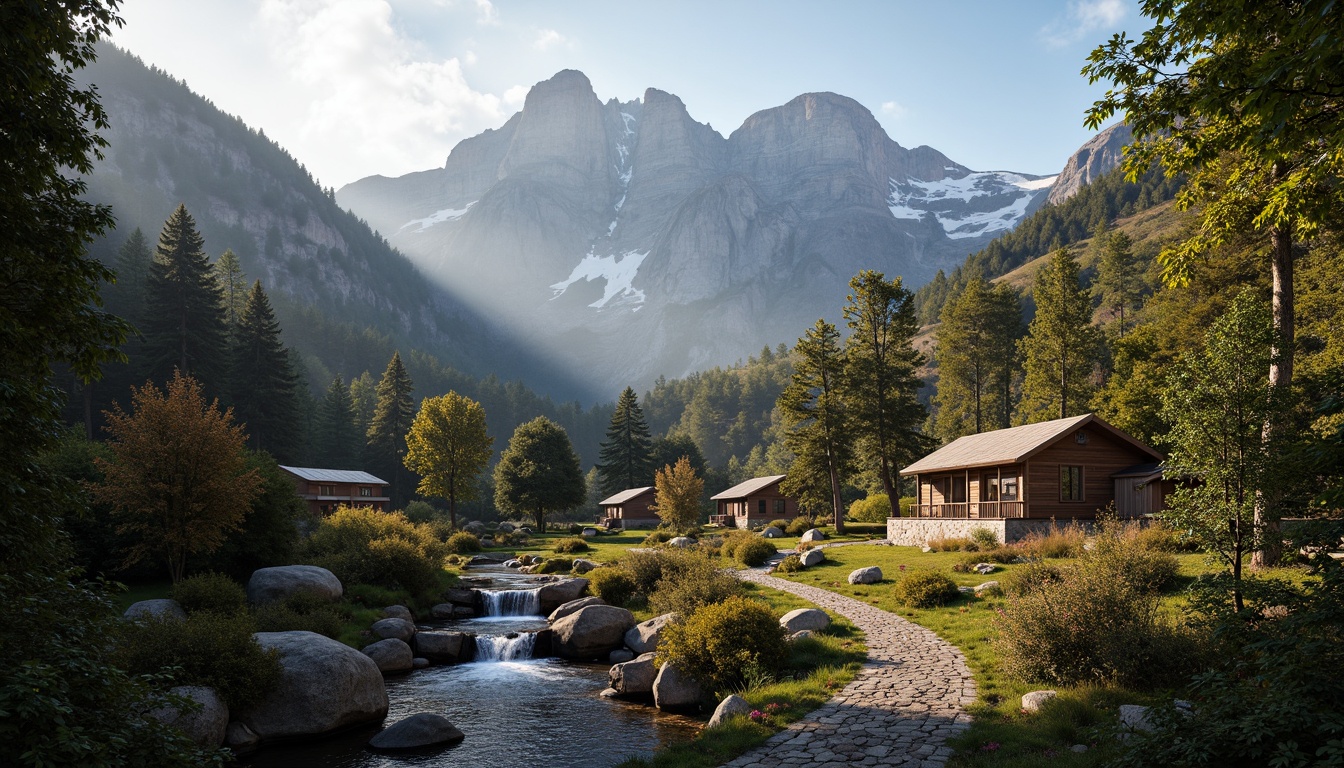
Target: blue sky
column 358, row 87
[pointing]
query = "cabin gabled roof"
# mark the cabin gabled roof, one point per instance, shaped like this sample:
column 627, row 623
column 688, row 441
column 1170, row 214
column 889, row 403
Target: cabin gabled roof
column 314, row 475
column 625, row 496
column 744, row 489
column 1015, row 445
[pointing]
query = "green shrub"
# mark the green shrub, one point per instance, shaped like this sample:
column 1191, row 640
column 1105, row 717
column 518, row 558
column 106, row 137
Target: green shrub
column 781, row 523
column 556, row 565
column 570, row 546
column 721, row 643
column 790, row 564
column 418, row 511
column 799, row 526
column 906, row 504
column 873, row 509
column 1029, row 577
column 755, row 552
column 657, row 536
column 462, row 543
column 309, row 613
column 1056, row 543
column 925, row 589
column 511, row 539
column 690, row 580
column 734, row 539
column 209, row 649
column 614, row 585
column 209, row 592
column 645, row 569
column 984, row 539
column 364, row 546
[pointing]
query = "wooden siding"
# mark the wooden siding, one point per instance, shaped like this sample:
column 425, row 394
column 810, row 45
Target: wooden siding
column 638, row 510
column 1101, row 457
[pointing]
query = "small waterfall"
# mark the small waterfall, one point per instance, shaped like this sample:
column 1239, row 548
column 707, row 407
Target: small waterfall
column 510, row 647
column 511, row 602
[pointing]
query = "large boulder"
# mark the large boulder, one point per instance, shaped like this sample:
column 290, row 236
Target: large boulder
column 643, row 637
column 733, row 705
column 681, row 542
column 771, row 532
column 400, row 629
column 439, row 646
column 1033, row 701
column 156, row 609
column 676, row 691
column 240, row 738
column 460, row 596
column 583, row 565
column 870, row 575
column 475, row 528
column 270, row 585
column 391, row 655
column 324, row 686
column 811, row 535
column 557, row 593
column 591, row 632
column 1134, row 717
column 812, row 557
column 634, row 678
column 417, row 732
column 206, row 726
column 574, row 605
column 505, row 527
column 398, row 612
column 804, row 618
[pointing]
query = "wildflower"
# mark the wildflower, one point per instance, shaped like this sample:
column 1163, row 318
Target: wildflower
column 756, row 715
column 992, row 746
column 902, row 568
column 773, row 707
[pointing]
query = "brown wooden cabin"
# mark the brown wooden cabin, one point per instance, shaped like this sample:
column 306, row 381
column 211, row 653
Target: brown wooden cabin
column 1063, row 469
column 754, row 502
column 327, row 489
column 632, row 508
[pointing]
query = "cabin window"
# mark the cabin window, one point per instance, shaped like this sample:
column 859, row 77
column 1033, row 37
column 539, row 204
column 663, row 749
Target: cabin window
column 989, row 485
column 366, row 491
column 326, row 490
column 1008, row 489
column 958, row 495
column 760, row 507
column 1070, row 483
column 779, row 506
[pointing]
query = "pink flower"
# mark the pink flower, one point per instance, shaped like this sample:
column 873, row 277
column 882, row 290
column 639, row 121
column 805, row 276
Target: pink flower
column 772, row 707
column 992, row 746
column 902, row 567
column 757, row 715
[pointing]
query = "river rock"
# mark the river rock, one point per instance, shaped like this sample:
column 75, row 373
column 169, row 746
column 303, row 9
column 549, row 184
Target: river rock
column 681, row 542
column 206, row 726
column 557, row 593
column 1032, row 702
column 804, row 618
column 801, row 634
column 240, row 738
column 475, row 528
column 463, row 612
column 439, row 646
column 442, row 611
column 574, row 605
column 391, row 655
column 591, row 632
column 620, row 656
column 270, row 585
column 812, row 557
column 505, row 527
column 733, row 705
column 156, row 609
column 417, row 732
column 634, row 678
column 870, row 575
column 675, row 691
column 1135, row 718
column 515, row 563
column 460, row 596
column 810, row 535
column 582, row 565
column 419, row 662
column 400, row 629
column 771, row 532
column 398, row 612
column 588, row 533
column 324, row 686
column 644, row 636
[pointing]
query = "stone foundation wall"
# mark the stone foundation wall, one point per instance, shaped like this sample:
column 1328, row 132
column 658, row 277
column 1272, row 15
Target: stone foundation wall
column 917, row 531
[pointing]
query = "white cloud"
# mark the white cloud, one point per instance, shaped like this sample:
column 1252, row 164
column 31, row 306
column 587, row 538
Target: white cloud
column 1083, row 18
column 547, row 38
column 894, row 110
column 375, row 101
column 486, row 14
column 516, row 95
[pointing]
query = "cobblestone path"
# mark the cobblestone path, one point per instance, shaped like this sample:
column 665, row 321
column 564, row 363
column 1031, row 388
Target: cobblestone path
column 907, row 700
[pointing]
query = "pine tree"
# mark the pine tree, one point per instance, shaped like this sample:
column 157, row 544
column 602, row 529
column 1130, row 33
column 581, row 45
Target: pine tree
column 232, row 286
column 337, row 438
column 392, row 419
column 626, row 457
column 1061, row 346
column 816, row 422
column 977, row 354
column 127, row 298
column 265, row 391
column 1117, row 284
column 881, row 377
column 364, row 400
column 184, row 314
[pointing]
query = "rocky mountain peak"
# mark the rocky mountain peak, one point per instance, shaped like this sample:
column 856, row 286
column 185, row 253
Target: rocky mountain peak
column 560, row 132
column 1099, row 155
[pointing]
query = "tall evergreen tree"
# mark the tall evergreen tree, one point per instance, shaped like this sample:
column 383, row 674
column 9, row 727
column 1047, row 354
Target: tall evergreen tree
column 977, row 360
column 881, row 377
column 626, row 459
column 1061, row 346
column 265, row 387
column 392, row 419
column 232, row 286
column 364, row 400
column 816, row 422
column 127, row 298
column 337, row 439
column 1118, row 283
column 184, row 313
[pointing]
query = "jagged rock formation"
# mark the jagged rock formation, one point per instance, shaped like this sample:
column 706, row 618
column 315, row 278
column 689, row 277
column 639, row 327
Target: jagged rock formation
column 1094, row 159
column 626, row 240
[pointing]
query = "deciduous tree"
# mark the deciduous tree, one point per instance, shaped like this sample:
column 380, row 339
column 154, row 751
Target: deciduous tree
column 448, row 446
column 677, row 496
column 625, row 460
column 816, row 422
column 178, row 478
column 539, row 472
column 1061, row 346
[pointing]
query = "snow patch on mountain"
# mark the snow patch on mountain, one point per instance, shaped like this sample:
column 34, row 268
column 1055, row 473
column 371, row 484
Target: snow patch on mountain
column 617, row 270
column 969, row 206
column 438, row 217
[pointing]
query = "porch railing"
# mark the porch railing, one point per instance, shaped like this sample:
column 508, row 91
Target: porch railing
column 979, row 509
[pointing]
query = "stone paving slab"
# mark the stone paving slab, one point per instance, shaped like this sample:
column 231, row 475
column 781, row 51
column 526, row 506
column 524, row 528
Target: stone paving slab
column 907, row 700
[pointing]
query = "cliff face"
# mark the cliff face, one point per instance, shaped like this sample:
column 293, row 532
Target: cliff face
column 1099, row 155
column 625, row 240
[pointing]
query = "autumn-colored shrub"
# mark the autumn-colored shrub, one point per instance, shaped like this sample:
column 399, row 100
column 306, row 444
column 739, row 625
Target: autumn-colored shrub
column 364, row 546
column 570, row 546
column 790, row 564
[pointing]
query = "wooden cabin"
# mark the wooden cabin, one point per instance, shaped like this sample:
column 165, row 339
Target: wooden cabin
column 632, row 508
column 326, row 489
column 754, row 502
column 1066, row 469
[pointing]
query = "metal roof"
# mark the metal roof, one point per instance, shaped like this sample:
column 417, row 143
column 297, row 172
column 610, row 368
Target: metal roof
column 1150, row 469
column 1013, row 445
column 625, row 496
column 749, row 487
column 333, row 475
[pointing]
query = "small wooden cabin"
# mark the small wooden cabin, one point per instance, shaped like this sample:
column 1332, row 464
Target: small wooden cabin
column 754, row 502
column 326, row 489
column 1062, row 469
column 632, row 508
